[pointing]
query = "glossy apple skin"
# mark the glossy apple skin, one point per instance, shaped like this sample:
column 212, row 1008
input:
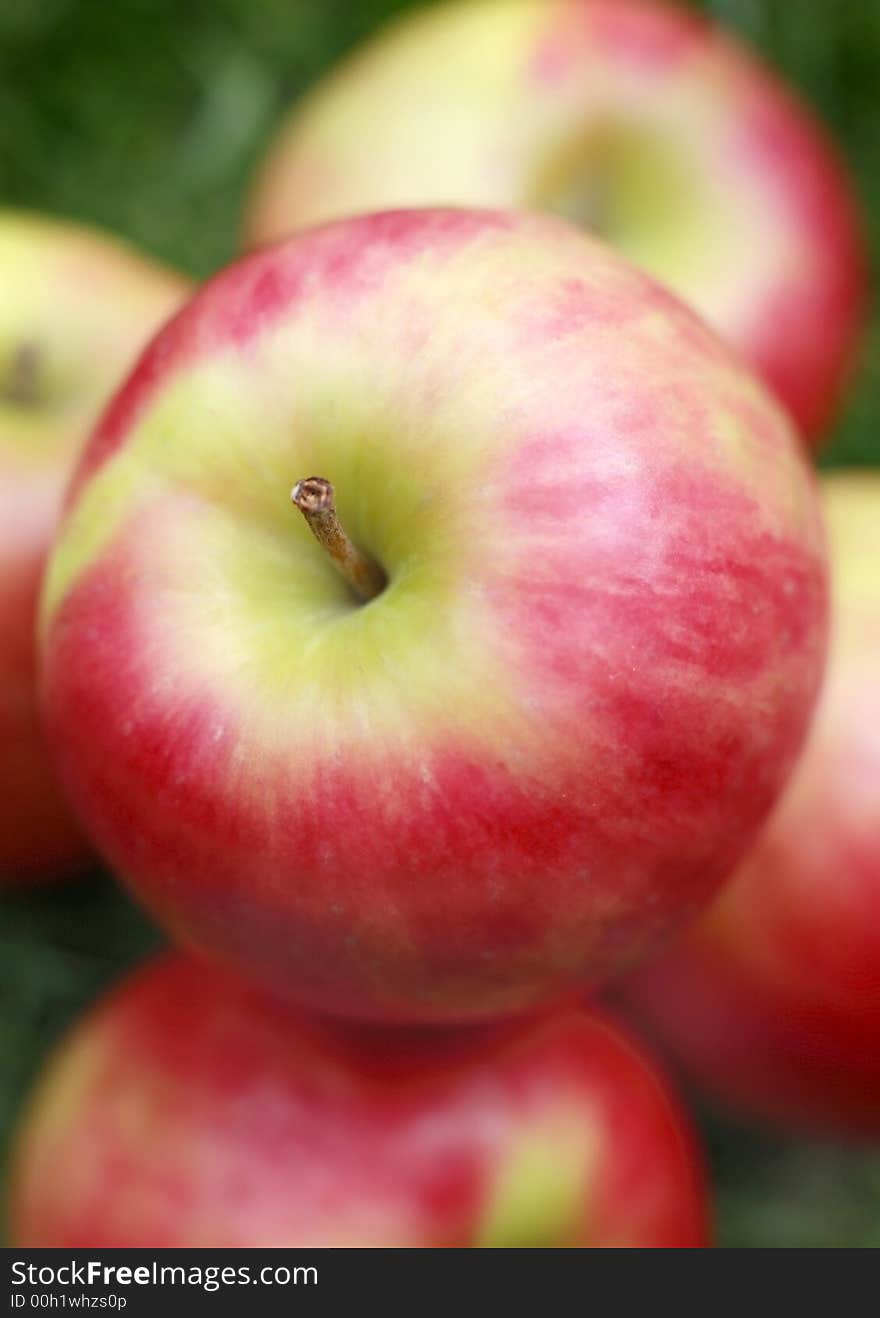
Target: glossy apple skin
column 640, row 120
column 772, row 1003
column 190, row 1109
column 558, row 728
column 85, row 303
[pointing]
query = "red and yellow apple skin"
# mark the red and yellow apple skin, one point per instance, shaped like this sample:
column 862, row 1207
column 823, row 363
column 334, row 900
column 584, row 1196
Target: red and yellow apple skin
column 190, row 1109
column 772, row 1003
column 642, row 121
column 76, row 307
column 543, row 745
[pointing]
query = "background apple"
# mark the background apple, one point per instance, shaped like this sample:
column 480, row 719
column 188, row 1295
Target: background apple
column 641, row 121
column 542, row 745
column 191, row 1110
column 76, row 306
column 772, row 1003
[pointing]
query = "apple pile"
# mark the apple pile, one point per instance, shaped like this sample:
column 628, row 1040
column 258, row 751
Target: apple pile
column 437, row 615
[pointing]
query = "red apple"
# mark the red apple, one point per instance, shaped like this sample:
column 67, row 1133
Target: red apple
column 76, row 305
column 772, row 1003
column 541, row 746
column 191, row 1110
column 644, row 122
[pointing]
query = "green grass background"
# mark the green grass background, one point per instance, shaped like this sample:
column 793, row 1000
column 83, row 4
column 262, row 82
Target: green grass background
column 147, row 116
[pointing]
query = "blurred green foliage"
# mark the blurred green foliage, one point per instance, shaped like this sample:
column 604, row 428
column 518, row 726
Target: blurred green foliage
column 147, row 116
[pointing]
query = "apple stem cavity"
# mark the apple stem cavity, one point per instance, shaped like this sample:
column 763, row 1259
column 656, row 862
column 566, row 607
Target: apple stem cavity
column 22, row 385
column 314, row 497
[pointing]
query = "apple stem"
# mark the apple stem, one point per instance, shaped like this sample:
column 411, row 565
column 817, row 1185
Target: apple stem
column 313, row 496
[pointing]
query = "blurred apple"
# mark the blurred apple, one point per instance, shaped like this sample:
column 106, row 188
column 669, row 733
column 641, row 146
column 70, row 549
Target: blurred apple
column 76, row 306
column 772, row 1003
column 595, row 646
column 642, row 121
column 191, row 1110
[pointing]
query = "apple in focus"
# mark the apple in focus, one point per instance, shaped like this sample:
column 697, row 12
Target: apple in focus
column 76, row 307
column 644, row 122
column 772, row 1002
column 190, row 1110
column 595, row 644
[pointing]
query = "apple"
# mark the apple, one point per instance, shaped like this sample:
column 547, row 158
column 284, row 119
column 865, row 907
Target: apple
column 76, row 305
column 772, row 1003
column 644, row 122
column 190, row 1110
column 598, row 633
